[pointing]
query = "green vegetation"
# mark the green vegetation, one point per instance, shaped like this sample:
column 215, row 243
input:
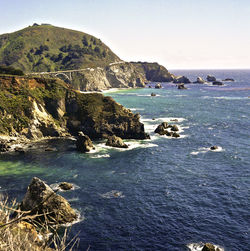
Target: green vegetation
column 19, row 231
column 45, row 47
column 96, row 107
column 16, row 96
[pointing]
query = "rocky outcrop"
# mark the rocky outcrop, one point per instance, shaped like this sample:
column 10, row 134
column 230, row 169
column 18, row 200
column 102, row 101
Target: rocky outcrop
column 158, row 86
column 115, row 141
column 181, row 80
column 84, row 143
column 154, row 72
column 211, row 78
column 32, row 109
column 65, row 186
column 162, row 130
column 200, row 80
column 174, row 128
column 99, row 117
column 4, row 146
column 41, row 200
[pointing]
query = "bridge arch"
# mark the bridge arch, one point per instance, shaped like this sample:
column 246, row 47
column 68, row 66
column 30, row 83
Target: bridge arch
column 64, row 77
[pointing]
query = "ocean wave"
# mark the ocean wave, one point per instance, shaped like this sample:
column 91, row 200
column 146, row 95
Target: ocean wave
column 199, row 246
column 112, row 194
column 207, row 149
column 164, row 119
column 225, row 98
column 131, row 145
column 98, row 156
column 136, row 109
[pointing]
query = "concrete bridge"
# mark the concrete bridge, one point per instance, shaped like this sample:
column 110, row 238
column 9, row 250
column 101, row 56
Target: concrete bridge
column 66, row 75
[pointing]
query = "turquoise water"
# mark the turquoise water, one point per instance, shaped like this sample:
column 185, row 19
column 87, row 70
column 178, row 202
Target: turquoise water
column 163, row 193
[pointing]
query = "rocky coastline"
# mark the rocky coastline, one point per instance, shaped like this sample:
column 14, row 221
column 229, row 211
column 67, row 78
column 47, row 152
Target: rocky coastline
column 32, row 109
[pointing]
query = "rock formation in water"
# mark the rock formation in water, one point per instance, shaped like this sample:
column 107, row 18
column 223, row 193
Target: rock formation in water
column 115, row 141
column 200, row 80
column 211, row 78
column 84, row 143
column 41, row 200
column 181, row 80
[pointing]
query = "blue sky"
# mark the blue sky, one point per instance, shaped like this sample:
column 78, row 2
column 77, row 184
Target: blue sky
column 176, row 33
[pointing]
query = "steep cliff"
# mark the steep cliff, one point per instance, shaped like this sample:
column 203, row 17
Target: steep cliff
column 34, row 108
column 120, row 75
column 154, row 72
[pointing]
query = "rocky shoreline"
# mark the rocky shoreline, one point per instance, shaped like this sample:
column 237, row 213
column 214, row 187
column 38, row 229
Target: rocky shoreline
column 32, row 109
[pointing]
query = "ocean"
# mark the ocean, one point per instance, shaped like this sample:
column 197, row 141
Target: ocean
column 163, row 193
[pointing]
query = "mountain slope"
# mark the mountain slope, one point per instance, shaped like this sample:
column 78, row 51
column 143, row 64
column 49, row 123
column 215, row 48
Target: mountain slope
column 41, row 48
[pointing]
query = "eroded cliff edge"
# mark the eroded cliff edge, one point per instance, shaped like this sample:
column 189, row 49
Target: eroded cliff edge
column 33, row 108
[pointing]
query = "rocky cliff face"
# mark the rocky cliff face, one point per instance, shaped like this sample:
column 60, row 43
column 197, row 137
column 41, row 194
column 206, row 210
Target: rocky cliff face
column 33, row 108
column 119, row 75
column 154, row 72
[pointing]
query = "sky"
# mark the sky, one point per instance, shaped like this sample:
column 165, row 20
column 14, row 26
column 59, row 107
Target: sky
column 179, row 34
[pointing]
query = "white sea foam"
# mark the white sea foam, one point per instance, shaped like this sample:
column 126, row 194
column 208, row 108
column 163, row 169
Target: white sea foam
column 199, row 246
column 225, row 98
column 136, row 109
column 112, row 194
column 78, row 219
column 164, row 119
column 131, row 145
column 207, row 149
column 98, row 156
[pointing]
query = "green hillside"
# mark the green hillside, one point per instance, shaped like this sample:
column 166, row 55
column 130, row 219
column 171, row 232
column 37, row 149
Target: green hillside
column 45, row 47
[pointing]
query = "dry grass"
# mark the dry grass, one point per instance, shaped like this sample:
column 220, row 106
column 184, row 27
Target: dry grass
column 23, row 233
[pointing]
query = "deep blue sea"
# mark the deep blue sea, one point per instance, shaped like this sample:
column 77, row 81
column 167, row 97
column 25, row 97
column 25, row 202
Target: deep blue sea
column 163, row 193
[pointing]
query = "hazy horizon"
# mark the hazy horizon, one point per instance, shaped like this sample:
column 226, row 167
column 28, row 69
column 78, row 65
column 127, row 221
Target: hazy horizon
column 183, row 35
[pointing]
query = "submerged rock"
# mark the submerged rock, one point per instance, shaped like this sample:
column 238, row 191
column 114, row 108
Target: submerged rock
column 229, row 80
column 65, row 186
column 40, row 199
column 115, row 141
column 84, row 143
column 211, row 78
